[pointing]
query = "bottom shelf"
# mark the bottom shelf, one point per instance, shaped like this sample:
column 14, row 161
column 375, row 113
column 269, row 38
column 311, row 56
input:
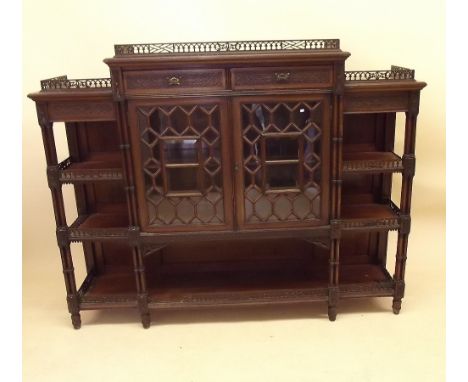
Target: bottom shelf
column 184, row 288
column 116, row 287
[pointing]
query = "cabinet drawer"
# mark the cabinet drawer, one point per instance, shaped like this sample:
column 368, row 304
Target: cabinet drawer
column 298, row 77
column 172, row 81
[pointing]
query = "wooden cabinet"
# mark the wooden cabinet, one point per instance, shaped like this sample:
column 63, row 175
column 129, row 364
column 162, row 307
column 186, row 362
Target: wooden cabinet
column 231, row 173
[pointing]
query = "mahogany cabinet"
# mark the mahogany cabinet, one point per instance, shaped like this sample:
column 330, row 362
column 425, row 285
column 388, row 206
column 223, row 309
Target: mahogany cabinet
column 231, row 173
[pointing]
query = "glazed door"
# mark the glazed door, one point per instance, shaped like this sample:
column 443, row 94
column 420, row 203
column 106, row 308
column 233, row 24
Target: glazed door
column 180, row 153
column 282, row 155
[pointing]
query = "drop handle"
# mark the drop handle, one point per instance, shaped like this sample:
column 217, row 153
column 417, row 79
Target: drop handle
column 236, row 167
column 173, row 81
column 282, row 76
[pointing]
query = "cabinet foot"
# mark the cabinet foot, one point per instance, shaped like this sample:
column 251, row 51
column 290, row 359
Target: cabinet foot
column 76, row 320
column 146, row 320
column 396, row 306
column 332, row 313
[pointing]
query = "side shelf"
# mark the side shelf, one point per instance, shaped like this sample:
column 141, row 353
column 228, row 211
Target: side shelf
column 102, row 166
column 370, row 216
column 100, row 226
column 372, row 162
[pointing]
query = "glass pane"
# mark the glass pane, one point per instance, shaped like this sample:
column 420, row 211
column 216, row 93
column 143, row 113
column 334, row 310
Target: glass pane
column 188, row 138
column 282, row 175
column 281, row 148
column 182, row 179
column 181, row 151
column 289, row 135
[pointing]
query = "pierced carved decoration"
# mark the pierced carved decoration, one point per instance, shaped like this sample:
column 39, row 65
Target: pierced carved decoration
column 66, row 175
column 251, row 297
column 77, row 233
column 360, row 166
column 379, row 289
column 181, row 155
column 174, row 80
column 281, row 161
column 81, row 111
column 62, row 82
column 225, row 46
column 395, row 73
column 390, row 224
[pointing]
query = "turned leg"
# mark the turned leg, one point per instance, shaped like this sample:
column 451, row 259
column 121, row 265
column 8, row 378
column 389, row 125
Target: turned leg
column 396, row 306
column 333, row 290
column 144, row 310
column 76, row 320
column 146, row 320
column 332, row 303
column 70, row 284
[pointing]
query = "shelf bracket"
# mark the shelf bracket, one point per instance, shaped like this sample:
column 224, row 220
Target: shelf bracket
column 53, row 177
column 409, row 165
column 134, row 236
column 63, row 239
column 335, row 229
column 405, row 224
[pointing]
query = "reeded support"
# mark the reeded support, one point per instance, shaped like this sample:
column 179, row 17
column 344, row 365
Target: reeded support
column 336, row 184
column 60, row 218
column 405, row 207
column 142, row 293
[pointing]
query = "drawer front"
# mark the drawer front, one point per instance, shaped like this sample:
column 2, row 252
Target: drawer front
column 282, row 77
column 172, row 81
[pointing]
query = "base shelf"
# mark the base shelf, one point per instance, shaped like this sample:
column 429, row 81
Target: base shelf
column 113, row 288
column 174, row 288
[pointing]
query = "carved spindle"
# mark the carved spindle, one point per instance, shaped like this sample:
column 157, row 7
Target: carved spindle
column 405, row 207
column 336, row 163
column 60, row 218
column 134, row 232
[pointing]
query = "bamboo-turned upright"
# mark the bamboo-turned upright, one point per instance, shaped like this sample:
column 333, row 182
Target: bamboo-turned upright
column 59, row 211
column 134, row 229
column 336, row 182
column 409, row 163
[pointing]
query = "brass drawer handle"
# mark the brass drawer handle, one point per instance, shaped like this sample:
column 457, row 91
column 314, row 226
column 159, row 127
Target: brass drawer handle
column 282, row 76
column 173, row 81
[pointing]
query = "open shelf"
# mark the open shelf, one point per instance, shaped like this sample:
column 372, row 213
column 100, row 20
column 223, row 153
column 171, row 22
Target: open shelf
column 97, row 166
column 110, row 224
column 370, row 216
column 113, row 288
column 371, row 162
column 263, row 285
column 245, row 282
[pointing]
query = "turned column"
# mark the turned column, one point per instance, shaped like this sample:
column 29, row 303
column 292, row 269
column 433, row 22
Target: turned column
column 55, row 186
column 405, row 204
column 336, row 183
column 120, row 108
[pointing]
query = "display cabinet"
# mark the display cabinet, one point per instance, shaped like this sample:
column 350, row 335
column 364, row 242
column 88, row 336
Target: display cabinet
column 231, row 173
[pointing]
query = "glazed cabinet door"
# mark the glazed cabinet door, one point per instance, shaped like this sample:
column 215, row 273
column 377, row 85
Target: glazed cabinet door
column 180, row 156
column 282, row 161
